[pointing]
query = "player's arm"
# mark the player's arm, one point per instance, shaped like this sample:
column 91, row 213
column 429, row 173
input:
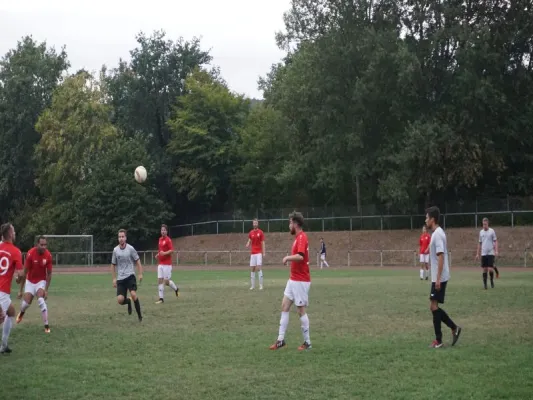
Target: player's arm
column 478, row 252
column 300, row 252
column 48, row 276
column 495, row 241
column 263, row 243
column 170, row 249
column 439, row 250
column 139, row 269
column 113, row 269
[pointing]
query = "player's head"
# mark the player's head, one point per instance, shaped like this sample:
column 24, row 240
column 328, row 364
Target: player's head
column 122, row 237
column 255, row 223
column 296, row 222
column 41, row 244
column 424, row 229
column 321, row 240
column 8, row 232
column 485, row 223
column 164, row 230
column 432, row 217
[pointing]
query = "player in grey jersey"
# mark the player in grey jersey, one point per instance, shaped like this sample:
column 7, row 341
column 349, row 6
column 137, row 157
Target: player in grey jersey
column 123, row 263
column 487, row 248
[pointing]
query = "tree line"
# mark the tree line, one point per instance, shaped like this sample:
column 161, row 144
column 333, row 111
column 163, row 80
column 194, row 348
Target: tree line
column 393, row 102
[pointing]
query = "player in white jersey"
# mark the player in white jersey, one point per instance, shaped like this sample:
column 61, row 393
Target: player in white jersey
column 487, row 248
column 440, row 275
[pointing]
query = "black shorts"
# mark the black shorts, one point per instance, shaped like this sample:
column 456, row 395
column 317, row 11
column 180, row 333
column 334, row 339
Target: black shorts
column 129, row 283
column 438, row 294
column 487, row 261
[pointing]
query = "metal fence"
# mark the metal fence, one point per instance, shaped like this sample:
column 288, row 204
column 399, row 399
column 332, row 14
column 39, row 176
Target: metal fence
column 362, row 222
column 351, row 258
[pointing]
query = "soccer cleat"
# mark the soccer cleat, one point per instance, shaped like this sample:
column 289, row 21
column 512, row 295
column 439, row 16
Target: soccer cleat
column 160, row 301
column 455, row 334
column 492, row 285
column 177, row 292
column 5, row 350
column 278, row 345
column 19, row 317
column 46, row 329
column 129, row 307
column 252, row 288
column 436, row 344
column 305, row 346
column 426, row 278
column 261, row 287
column 140, row 319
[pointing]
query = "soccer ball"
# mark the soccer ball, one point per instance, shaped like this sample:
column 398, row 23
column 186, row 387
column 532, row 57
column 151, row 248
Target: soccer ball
column 140, row 174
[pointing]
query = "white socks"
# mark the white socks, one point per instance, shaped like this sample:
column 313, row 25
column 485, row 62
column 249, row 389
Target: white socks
column 172, row 285
column 8, row 323
column 44, row 310
column 421, row 274
column 24, row 306
column 161, row 288
column 283, row 323
column 252, row 279
column 260, row 277
column 304, row 319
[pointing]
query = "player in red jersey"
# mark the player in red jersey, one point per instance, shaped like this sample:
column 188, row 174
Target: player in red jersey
column 164, row 269
column 425, row 238
column 256, row 238
column 10, row 264
column 36, row 280
column 297, row 289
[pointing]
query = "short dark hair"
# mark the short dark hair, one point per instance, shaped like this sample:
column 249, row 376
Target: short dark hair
column 122, row 231
column 297, row 217
column 434, row 212
column 164, row 226
column 5, row 230
column 42, row 237
column 485, row 219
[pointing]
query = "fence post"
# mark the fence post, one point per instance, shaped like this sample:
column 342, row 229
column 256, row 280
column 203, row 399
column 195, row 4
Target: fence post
column 444, row 225
column 381, row 222
column 205, row 258
column 217, row 227
column 177, row 258
column 192, row 230
column 411, row 218
column 381, row 258
column 322, row 224
column 414, row 258
column 268, row 226
column 144, row 258
column 350, row 224
column 512, row 219
column 317, row 259
column 243, row 226
column 450, row 259
column 152, row 258
column 230, row 258
column 57, row 258
column 476, row 220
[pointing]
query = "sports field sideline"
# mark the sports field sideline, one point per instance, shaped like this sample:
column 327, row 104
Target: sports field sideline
column 370, row 329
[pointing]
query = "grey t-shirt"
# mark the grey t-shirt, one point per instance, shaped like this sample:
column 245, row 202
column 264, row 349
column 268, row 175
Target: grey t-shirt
column 487, row 239
column 124, row 260
column 437, row 245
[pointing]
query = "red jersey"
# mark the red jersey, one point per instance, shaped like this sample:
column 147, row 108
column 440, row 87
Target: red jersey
column 425, row 238
column 165, row 244
column 257, row 237
column 10, row 260
column 37, row 265
column 300, row 269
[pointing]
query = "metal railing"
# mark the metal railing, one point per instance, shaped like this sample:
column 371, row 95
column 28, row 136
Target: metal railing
column 369, row 258
column 358, row 222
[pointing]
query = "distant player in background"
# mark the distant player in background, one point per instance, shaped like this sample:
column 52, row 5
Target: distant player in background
column 256, row 238
column 298, row 285
column 10, row 264
column 323, row 254
column 488, row 249
column 164, row 269
column 36, row 280
column 123, row 263
column 425, row 238
column 440, row 275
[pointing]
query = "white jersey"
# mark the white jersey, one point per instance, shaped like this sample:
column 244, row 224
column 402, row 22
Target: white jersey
column 438, row 245
column 487, row 239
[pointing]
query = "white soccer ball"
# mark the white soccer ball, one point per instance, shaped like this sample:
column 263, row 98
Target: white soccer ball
column 140, row 174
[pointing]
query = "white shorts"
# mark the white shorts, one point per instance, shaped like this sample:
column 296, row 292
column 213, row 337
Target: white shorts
column 323, row 257
column 256, row 260
column 32, row 288
column 5, row 301
column 298, row 292
column 424, row 258
column 164, row 271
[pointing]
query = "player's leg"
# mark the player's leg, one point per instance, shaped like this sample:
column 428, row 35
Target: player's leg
column 301, row 299
column 136, row 302
column 259, row 262
column 426, row 264
column 325, row 261
column 286, row 303
column 421, row 267
column 491, row 270
column 434, row 307
column 496, row 270
column 253, row 265
column 160, row 284
column 456, row 330
column 485, row 270
column 122, row 293
column 5, row 303
column 29, row 293
column 169, row 281
column 42, row 306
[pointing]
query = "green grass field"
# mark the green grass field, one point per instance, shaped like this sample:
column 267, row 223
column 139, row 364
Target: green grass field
column 370, row 331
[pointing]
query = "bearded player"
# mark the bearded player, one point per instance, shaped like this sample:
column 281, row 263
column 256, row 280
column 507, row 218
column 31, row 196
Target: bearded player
column 36, row 280
column 10, row 264
column 425, row 238
column 256, row 238
column 164, row 269
column 297, row 289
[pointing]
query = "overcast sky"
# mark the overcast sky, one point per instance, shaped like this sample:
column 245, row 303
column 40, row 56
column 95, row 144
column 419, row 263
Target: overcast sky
column 240, row 33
